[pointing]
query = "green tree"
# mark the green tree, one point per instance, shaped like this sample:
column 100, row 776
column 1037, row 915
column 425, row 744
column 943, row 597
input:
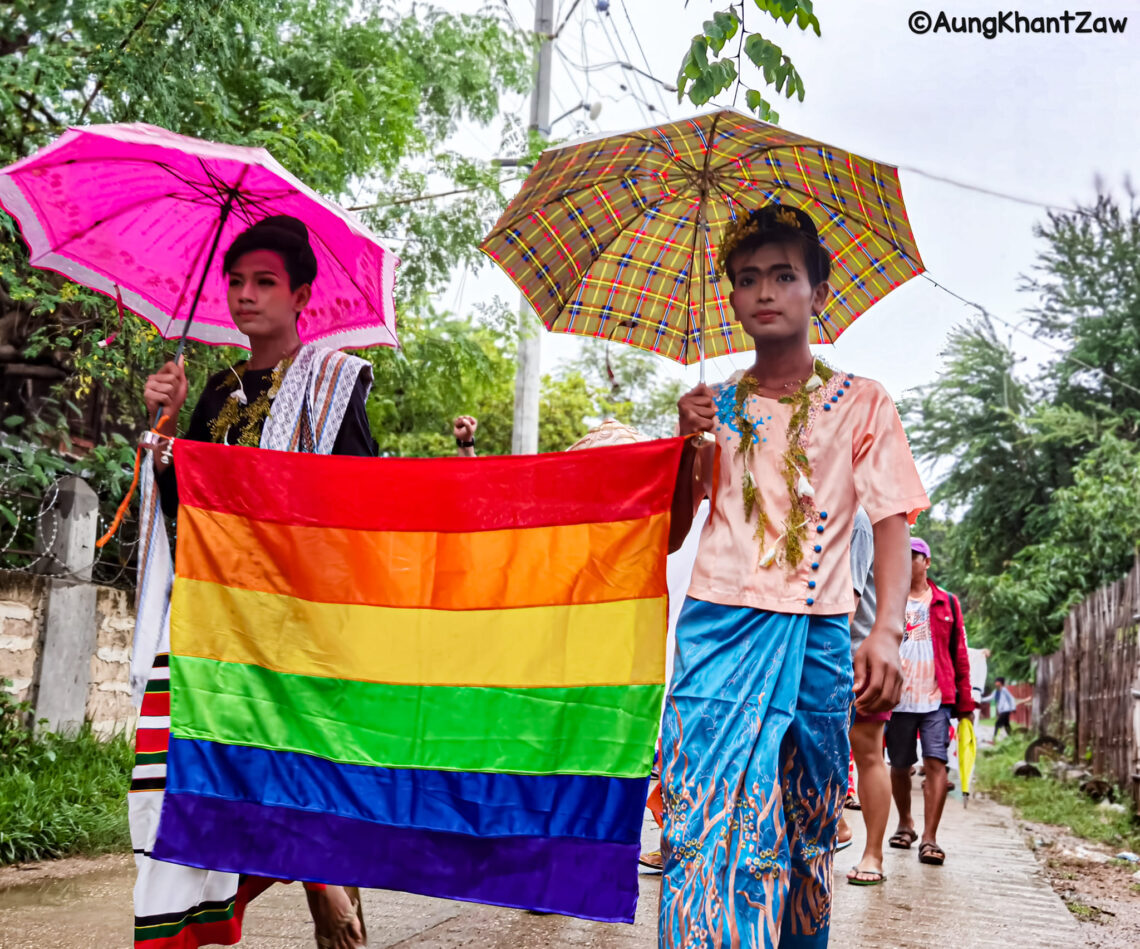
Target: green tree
column 1038, row 477
column 1089, row 539
column 708, row 70
column 355, row 99
column 629, row 385
column 971, row 427
column 1087, row 282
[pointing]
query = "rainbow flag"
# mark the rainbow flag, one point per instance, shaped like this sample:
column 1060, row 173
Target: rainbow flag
column 443, row 676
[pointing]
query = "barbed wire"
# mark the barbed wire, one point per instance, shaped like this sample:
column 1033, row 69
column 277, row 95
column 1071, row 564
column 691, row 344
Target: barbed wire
column 36, row 522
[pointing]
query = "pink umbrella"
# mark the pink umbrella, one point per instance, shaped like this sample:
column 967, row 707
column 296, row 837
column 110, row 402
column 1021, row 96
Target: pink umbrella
column 137, row 209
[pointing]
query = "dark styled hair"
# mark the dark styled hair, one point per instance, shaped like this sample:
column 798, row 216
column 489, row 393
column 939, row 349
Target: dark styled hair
column 1000, row 679
column 776, row 224
column 284, row 235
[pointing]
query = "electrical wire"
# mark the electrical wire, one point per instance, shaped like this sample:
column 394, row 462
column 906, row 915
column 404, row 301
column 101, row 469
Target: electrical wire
column 636, row 81
column 587, row 69
column 1016, row 327
column 991, row 192
column 644, row 57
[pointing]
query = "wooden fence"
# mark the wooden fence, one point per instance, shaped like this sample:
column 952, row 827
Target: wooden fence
column 1088, row 692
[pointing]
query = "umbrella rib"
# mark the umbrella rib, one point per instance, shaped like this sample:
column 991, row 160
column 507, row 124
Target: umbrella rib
column 185, row 286
column 596, row 182
column 118, row 212
column 703, row 194
column 845, row 213
column 351, row 277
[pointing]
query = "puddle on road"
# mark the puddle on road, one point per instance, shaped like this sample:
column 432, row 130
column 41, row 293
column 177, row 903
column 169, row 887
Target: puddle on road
column 98, row 912
column 79, row 889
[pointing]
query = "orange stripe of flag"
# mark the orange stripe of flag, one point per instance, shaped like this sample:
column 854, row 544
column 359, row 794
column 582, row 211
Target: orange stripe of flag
column 579, row 563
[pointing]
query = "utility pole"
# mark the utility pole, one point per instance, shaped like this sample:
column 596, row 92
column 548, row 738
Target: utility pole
column 524, row 435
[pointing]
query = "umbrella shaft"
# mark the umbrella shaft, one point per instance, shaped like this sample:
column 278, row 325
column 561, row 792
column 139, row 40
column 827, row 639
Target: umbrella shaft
column 226, row 209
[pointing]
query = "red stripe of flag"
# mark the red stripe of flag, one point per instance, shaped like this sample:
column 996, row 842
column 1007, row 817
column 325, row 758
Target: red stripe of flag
column 441, row 494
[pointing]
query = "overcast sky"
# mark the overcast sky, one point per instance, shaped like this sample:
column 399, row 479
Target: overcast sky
column 1034, row 116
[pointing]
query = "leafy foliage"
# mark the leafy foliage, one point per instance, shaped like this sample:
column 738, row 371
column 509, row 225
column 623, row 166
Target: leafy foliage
column 59, row 794
column 706, row 72
column 1040, row 476
column 352, row 97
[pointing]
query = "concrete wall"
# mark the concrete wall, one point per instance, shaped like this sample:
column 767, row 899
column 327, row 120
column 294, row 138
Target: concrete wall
column 22, row 601
column 23, row 608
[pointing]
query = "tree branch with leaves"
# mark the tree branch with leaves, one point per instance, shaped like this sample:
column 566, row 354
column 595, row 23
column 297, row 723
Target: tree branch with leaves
column 706, row 72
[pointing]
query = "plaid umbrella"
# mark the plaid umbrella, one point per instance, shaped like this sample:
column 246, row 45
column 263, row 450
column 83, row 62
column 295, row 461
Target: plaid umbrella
column 615, row 237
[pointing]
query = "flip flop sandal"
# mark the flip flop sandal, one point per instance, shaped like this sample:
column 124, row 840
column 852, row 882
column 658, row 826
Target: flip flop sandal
column 903, row 839
column 852, row 804
column 652, row 861
column 875, row 877
column 931, row 854
column 843, row 845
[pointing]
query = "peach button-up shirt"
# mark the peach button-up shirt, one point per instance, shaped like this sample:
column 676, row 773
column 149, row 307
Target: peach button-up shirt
column 859, row 456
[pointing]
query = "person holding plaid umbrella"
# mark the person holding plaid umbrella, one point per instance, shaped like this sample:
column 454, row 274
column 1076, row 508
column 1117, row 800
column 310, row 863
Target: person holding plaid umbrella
column 755, row 745
column 630, row 238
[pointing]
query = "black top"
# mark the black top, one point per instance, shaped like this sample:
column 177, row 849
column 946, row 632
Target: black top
column 219, row 418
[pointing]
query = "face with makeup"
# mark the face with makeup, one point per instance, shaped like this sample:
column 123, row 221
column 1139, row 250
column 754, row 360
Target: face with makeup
column 772, row 294
column 261, row 301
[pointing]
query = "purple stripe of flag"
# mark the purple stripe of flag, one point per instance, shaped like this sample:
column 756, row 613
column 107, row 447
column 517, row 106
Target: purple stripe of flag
column 574, row 877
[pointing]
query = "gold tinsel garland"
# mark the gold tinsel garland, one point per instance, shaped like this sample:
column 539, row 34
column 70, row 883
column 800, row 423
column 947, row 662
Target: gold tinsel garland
column 796, row 467
column 247, row 419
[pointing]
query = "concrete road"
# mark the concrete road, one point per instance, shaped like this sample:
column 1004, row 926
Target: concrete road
column 990, row 893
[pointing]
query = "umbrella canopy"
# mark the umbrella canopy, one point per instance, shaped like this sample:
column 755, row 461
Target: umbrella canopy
column 615, row 237
column 967, row 752
column 139, row 209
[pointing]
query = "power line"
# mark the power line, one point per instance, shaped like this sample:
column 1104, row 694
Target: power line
column 636, row 81
column 569, row 13
column 1016, row 327
column 990, row 191
column 592, row 67
column 649, row 66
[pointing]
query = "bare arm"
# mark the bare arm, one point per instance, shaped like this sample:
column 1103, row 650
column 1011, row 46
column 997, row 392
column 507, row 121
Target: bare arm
column 878, row 674
column 166, row 391
column 697, row 413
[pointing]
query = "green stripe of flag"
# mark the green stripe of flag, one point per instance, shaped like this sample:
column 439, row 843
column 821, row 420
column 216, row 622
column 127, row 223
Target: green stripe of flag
column 600, row 730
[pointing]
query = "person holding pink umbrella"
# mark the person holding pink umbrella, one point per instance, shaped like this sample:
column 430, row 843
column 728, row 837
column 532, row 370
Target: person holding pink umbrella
column 140, row 214
column 286, row 396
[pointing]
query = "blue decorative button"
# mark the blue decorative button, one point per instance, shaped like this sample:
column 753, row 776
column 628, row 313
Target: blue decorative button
column 810, row 601
column 826, row 407
column 823, row 515
column 817, row 548
column 815, row 566
column 840, row 392
column 819, row 530
column 811, row 584
column 835, row 398
column 846, row 383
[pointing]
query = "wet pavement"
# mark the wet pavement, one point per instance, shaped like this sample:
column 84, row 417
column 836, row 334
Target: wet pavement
column 990, row 893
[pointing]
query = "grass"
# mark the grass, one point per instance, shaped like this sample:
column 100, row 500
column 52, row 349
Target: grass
column 1083, row 910
column 1046, row 801
column 60, row 795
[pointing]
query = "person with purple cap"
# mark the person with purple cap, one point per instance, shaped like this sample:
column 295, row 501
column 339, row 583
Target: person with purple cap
column 936, row 686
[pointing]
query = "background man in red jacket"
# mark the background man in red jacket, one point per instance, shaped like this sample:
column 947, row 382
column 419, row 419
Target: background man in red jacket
column 936, row 685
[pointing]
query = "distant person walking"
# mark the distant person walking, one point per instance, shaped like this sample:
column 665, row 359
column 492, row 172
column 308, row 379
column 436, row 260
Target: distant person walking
column 1005, row 704
column 936, row 686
